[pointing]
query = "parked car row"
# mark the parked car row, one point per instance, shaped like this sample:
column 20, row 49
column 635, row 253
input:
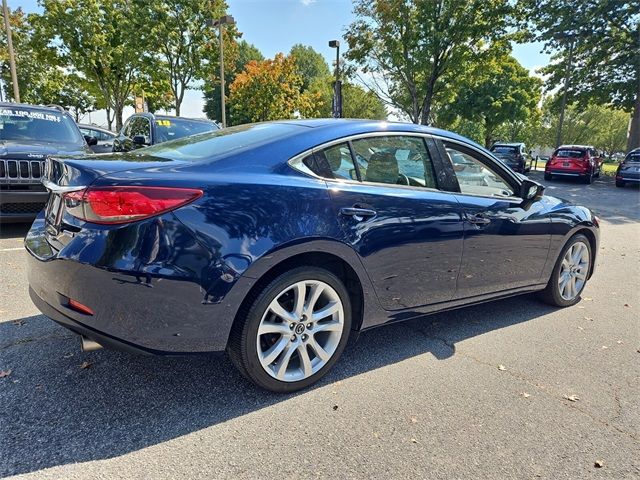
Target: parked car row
column 29, row 134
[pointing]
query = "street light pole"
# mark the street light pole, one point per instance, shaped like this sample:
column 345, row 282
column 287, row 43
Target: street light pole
column 337, row 85
column 12, row 58
column 567, row 80
column 224, row 20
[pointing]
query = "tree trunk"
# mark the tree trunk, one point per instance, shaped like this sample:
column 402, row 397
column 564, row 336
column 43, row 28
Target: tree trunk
column 118, row 108
column 177, row 108
column 109, row 117
column 633, row 140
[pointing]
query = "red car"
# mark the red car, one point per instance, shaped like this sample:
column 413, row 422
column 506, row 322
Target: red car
column 578, row 161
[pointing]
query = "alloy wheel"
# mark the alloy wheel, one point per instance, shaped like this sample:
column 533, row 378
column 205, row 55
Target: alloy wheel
column 573, row 271
column 300, row 330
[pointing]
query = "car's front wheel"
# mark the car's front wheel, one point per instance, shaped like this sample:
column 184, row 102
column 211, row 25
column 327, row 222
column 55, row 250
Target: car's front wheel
column 293, row 331
column 570, row 273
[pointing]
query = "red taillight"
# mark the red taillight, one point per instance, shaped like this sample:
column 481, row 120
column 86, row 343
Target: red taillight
column 126, row 204
column 78, row 307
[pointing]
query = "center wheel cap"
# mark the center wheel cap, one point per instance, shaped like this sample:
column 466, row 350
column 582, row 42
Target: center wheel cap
column 300, row 328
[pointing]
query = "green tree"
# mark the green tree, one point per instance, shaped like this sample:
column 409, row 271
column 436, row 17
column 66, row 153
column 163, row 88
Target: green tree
column 270, row 90
column 177, row 33
column 245, row 53
column 497, row 91
column 407, row 46
column 101, row 40
column 606, row 51
column 309, row 63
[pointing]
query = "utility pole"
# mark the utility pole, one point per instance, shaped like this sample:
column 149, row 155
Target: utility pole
column 12, row 58
column 567, row 80
column 337, row 85
column 224, row 20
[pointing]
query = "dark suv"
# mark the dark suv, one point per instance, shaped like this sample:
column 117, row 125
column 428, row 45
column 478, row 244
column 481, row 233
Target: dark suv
column 629, row 170
column 144, row 129
column 514, row 155
column 28, row 134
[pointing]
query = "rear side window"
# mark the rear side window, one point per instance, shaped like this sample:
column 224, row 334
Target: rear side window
column 633, row 157
column 396, row 160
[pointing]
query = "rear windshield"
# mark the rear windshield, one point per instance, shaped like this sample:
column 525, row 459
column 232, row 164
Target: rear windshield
column 633, row 157
column 221, row 142
column 566, row 153
column 173, row 128
column 34, row 125
column 503, row 149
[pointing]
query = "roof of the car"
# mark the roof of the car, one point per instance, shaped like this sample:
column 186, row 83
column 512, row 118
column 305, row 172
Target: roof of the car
column 26, row 105
column 95, row 127
column 339, row 127
column 574, row 146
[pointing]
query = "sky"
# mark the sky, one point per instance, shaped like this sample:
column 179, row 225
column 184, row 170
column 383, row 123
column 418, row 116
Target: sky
column 276, row 25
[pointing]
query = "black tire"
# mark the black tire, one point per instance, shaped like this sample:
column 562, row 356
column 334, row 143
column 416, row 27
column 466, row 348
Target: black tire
column 620, row 183
column 588, row 179
column 548, row 176
column 551, row 293
column 243, row 344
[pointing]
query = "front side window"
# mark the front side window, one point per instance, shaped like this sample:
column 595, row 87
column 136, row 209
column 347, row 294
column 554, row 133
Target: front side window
column 397, row 160
column 475, row 177
column 140, row 126
column 173, row 128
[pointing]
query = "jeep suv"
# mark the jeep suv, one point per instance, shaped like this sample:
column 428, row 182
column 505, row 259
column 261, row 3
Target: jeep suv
column 28, row 134
column 144, row 129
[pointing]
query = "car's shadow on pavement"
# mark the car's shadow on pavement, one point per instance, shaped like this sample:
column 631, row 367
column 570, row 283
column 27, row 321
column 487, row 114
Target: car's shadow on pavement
column 56, row 412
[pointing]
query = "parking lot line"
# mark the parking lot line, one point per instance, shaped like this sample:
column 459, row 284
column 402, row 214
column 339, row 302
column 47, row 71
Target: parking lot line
column 14, row 249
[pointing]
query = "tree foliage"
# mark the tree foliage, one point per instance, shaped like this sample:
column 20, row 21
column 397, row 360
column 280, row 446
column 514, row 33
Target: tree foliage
column 245, row 52
column 606, row 54
column 496, row 92
column 176, row 34
column 309, row 63
column 270, row 90
column 407, row 46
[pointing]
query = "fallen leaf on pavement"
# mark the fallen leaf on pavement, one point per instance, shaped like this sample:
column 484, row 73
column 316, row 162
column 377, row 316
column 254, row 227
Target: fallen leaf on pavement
column 414, row 440
column 335, row 407
column 19, row 322
column 604, row 347
column 587, row 299
column 414, row 420
column 589, row 318
column 85, row 365
column 627, row 305
column 619, row 342
column 502, row 368
column 572, row 398
column 5, row 373
column 525, row 394
column 598, row 464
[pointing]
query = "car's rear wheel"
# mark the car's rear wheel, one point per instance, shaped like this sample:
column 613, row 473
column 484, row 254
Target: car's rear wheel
column 588, row 179
column 620, row 183
column 570, row 273
column 547, row 176
column 293, row 331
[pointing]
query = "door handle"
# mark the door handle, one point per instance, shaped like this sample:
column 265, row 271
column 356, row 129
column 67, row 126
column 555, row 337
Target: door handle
column 478, row 219
column 358, row 214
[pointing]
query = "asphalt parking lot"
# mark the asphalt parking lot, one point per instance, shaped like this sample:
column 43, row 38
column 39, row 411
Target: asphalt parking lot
column 510, row 389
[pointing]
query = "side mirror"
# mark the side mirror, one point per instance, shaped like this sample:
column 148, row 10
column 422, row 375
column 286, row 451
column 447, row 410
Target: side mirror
column 531, row 190
column 140, row 140
column 91, row 141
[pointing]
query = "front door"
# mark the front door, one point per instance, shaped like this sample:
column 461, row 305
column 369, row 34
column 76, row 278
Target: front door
column 506, row 240
column 407, row 233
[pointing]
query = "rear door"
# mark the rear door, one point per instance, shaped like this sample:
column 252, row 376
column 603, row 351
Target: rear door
column 407, row 233
column 506, row 241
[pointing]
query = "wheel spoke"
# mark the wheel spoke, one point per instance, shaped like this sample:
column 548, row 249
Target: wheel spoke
column 326, row 311
column 314, row 295
column 305, row 361
column 572, row 288
column 320, row 352
column 279, row 311
column 283, row 363
column 327, row 327
column 270, row 355
column 299, row 291
column 272, row 327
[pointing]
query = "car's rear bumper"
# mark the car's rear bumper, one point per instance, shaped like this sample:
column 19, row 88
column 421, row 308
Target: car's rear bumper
column 628, row 176
column 566, row 173
column 21, row 205
column 137, row 306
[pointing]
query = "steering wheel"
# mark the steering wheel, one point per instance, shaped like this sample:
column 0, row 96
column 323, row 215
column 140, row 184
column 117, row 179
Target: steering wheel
column 403, row 179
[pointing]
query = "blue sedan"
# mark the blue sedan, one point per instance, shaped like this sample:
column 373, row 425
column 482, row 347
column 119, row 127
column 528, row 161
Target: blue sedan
column 277, row 241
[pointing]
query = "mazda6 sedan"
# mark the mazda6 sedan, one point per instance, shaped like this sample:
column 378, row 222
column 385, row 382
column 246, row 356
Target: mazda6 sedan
column 276, row 242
